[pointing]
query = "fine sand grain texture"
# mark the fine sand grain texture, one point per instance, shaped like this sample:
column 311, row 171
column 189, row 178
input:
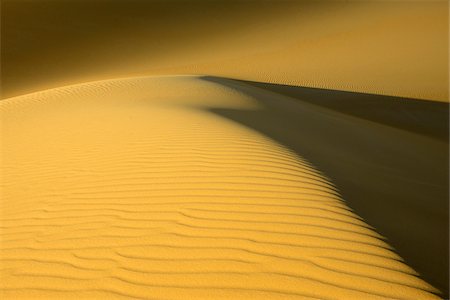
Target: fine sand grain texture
column 140, row 188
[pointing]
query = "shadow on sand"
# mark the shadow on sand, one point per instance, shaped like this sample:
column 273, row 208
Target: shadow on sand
column 388, row 157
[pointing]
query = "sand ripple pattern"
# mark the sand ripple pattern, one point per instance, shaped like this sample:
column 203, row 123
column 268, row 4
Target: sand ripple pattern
column 131, row 189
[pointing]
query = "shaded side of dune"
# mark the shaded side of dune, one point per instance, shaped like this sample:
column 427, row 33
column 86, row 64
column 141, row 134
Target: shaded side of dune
column 424, row 117
column 388, row 158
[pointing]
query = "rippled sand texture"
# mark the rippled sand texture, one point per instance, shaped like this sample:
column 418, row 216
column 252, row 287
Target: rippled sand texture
column 132, row 188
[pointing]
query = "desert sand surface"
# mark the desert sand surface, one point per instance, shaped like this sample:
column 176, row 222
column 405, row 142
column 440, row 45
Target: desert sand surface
column 139, row 188
column 195, row 149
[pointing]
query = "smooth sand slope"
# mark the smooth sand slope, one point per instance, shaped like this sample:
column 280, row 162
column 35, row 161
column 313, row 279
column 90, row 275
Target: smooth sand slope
column 384, row 47
column 137, row 188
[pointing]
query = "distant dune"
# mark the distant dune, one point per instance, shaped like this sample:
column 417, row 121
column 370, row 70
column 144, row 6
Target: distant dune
column 136, row 188
column 395, row 48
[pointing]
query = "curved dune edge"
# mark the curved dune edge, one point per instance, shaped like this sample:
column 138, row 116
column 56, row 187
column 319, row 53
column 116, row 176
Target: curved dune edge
column 132, row 188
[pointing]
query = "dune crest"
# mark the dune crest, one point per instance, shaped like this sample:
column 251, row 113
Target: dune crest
column 132, row 188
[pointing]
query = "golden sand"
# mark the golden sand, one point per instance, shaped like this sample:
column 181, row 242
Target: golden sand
column 133, row 188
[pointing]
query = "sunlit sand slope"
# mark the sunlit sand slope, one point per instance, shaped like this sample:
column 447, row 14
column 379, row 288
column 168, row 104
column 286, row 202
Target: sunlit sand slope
column 132, row 188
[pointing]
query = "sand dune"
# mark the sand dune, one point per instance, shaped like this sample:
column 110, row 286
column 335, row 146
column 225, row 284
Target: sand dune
column 256, row 177
column 138, row 188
